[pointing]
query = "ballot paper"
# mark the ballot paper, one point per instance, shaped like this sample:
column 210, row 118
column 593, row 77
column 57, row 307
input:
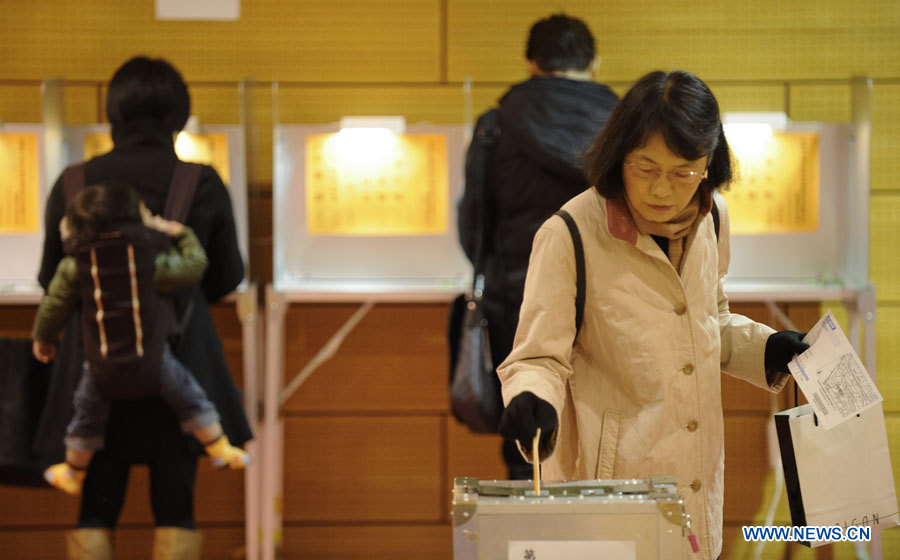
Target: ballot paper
column 831, row 375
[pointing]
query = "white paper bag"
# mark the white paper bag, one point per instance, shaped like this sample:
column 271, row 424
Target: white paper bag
column 840, row 476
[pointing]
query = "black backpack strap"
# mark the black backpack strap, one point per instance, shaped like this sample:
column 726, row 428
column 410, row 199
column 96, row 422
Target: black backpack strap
column 72, row 181
column 580, row 279
column 181, row 191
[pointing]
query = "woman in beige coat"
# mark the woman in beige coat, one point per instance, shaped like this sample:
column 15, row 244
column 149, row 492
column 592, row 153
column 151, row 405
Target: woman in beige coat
column 638, row 392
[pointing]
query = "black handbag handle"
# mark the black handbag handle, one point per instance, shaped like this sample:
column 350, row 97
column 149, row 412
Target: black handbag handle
column 487, row 135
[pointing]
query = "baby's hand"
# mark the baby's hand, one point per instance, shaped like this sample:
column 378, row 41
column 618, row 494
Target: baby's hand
column 169, row 227
column 65, row 232
column 43, row 351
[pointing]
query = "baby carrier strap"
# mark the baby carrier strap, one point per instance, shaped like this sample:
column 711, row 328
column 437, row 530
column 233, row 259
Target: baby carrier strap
column 178, row 201
column 181, row 191
column 73, row 181
column 178, row 206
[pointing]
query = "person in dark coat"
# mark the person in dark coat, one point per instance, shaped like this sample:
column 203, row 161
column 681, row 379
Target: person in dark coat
column 147, row 103
column 547, row 121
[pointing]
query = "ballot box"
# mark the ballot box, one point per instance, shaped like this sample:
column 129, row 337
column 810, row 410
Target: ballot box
column 614, row 519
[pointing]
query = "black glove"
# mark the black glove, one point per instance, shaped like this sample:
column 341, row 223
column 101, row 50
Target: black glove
column 781, row 349
column 524, row 415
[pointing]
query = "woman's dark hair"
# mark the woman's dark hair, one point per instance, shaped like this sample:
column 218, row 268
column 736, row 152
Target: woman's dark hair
column 560, row 42
column 100, row 207
column 148, row 93
column 676, row 104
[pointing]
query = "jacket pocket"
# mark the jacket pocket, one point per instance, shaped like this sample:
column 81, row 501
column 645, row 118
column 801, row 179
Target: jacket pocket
column 609, row 441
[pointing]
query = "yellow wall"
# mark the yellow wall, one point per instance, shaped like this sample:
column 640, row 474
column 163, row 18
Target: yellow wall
column 410, row 57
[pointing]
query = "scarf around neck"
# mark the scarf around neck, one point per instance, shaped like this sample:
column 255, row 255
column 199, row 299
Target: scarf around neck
column 675, row 230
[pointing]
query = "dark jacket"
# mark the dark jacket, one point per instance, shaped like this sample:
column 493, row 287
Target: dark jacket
column 143, row 429
column 546, row 123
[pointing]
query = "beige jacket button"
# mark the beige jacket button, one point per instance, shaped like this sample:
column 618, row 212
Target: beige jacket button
column 695, row 486
column 692, row 426
column 680, row 309
column 688, row 369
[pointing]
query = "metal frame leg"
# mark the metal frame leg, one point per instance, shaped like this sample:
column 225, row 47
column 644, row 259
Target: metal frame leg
column 251, row 331
column 272, row 428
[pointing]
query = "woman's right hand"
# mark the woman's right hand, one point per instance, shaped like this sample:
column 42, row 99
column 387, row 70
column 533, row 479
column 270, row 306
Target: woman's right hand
column 521, row 419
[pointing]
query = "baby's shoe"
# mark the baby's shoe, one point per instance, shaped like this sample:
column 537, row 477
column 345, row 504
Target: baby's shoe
column 66, row 477
column 226, row 456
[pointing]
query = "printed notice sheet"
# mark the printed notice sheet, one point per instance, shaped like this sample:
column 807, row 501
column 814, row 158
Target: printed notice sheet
column 777, row 190
column 831, row 375
column 19, row 183
column 375, row 183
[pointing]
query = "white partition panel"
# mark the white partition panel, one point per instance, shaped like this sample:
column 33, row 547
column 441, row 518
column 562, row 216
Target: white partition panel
column 306, row 261
column 814, row 259
column 20, row 250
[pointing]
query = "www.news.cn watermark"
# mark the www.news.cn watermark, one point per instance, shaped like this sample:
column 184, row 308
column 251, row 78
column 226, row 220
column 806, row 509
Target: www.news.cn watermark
column 807, row 533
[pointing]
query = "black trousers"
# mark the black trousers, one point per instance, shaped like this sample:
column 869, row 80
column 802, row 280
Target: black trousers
column 171, row 491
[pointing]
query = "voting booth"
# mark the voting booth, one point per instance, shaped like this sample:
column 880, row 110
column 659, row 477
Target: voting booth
column 364, row 213
column 799, row 213
column 367, row 209
column 792, row 207
column 800, row 225
column 32, row 157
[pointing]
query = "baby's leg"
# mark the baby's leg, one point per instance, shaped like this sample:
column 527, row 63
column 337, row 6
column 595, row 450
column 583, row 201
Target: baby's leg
column 84, row 436
column 69, row 476
column 223, row 454
column 197, row 414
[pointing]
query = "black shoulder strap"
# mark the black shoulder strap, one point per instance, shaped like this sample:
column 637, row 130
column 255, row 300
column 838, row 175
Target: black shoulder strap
column 716, row 218
column 486, row 135
column 181, row 191
column 580, row 280
column 73, row 181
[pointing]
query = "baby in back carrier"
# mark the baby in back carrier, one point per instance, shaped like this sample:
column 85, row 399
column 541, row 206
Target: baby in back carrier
column 120, row 263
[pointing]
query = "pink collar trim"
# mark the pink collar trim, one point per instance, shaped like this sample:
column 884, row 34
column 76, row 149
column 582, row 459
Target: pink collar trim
column 619, row 221
column 621, row 225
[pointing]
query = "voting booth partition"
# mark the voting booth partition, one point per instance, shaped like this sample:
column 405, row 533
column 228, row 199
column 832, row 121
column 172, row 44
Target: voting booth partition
column 800, row 213
column 800, row 233
column 365, row 257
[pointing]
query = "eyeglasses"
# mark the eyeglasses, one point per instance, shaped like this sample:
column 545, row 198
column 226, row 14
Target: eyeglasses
column 650, row 172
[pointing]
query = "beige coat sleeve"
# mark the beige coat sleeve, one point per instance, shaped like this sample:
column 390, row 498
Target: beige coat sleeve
column 540, row 361
column 743, row 340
